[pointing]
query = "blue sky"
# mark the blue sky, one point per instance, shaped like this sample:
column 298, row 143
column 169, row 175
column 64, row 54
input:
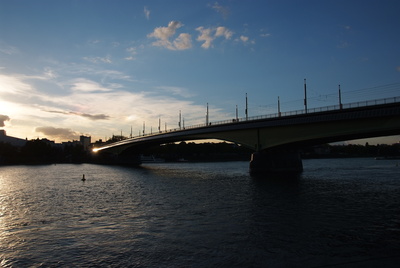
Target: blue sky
column 98, row 67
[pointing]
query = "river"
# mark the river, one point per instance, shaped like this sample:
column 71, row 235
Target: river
column 337, row 213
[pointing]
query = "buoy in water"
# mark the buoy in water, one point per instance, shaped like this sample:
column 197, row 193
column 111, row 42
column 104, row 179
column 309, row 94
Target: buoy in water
column 83, row 177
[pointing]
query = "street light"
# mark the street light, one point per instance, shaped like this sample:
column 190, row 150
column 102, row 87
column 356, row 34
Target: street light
column 305, row 95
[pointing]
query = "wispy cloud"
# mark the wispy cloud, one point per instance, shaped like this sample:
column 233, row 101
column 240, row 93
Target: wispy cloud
column 89, row 116
column 106, row 59
column 178, row 91
column 146, row 13
column 7, row 49
column 50, row 73
column 165, row 36
column 86, row 85
column 265, row 35
column 343, row 44
column 245, row 40
column 14, row 84
column 132, row 53
column 221, row 9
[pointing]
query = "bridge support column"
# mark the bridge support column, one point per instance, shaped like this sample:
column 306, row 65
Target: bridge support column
column 276, row 161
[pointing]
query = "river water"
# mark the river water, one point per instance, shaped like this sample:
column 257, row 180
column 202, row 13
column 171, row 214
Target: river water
column 337, row 213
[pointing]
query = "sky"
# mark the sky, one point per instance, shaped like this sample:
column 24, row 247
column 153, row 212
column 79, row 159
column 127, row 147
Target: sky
column 101, row 68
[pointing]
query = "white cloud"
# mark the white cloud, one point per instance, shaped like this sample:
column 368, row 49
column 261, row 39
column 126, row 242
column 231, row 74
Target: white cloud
column 244, row 38
column 205, row 35
column 223, row 31
column 146, row 13
column 164, row 34
column 210, row 34
column 85, row 85
column 184, row 41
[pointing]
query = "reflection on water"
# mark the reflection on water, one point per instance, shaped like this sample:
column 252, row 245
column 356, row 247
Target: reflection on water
column 340, row 212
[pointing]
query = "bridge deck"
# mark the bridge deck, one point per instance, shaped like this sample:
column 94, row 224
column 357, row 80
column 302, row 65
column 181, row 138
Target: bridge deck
column 367, row 109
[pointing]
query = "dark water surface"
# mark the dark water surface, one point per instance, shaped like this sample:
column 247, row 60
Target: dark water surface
column 337, row 213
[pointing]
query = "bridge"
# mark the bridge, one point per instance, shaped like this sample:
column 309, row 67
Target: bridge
column 276, row 138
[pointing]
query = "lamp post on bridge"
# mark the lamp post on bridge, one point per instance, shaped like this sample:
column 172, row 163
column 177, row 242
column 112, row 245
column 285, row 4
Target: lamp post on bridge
column 237, row 115
column 305, row 95
column 247, row 109
column 180, row 119
column 279, row 107
column 340, row 99
column 207, row 115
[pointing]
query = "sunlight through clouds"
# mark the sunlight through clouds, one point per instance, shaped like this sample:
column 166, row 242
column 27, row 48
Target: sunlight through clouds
column 89, row 101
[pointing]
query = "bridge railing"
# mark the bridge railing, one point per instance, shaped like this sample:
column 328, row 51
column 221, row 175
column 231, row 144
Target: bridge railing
column 309, row 111
column 285, row 114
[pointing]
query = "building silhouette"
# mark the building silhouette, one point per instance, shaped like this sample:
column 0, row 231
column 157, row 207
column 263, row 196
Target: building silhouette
column 11, row 140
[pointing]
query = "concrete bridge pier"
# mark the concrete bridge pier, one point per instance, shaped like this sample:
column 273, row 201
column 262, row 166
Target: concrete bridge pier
column 276, row 161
